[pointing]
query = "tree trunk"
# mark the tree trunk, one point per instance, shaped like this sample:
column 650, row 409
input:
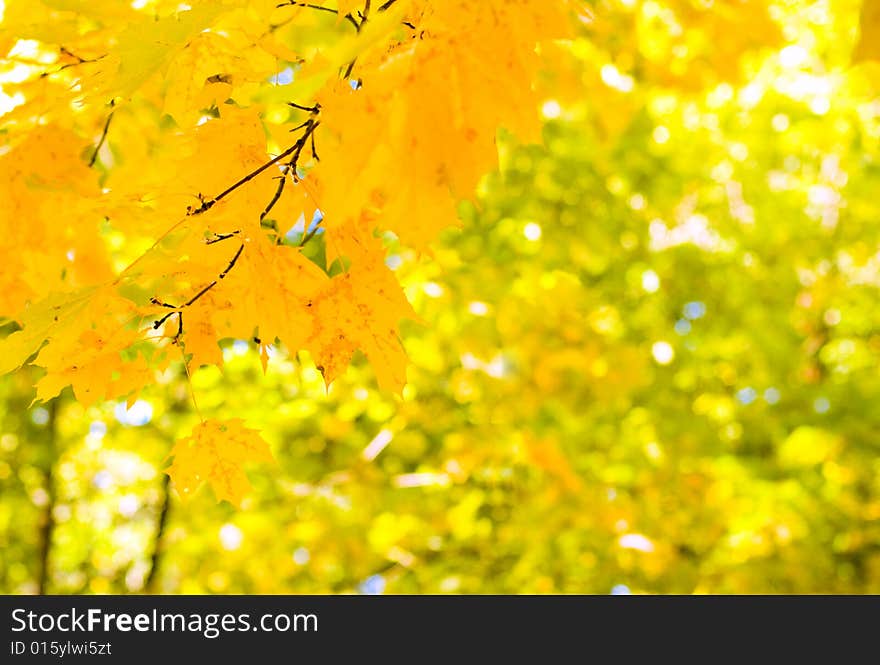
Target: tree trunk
column 47, row 527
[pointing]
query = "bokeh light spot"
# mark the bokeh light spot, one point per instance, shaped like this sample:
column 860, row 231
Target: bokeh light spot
column 663, row 352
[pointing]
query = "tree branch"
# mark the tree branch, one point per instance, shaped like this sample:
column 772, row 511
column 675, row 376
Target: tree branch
column 158, row 544
column 310, row 126
column 295, row 148
column 179, row 310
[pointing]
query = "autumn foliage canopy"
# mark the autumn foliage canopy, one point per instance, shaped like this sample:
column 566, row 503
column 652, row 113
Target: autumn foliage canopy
column 439, row 296
column 169, row 185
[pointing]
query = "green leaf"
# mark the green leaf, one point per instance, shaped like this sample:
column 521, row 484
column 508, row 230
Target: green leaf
column 40, row 320
column 145, row 46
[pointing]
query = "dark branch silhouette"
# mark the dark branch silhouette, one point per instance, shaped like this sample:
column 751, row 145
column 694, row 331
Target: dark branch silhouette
column 158, row 540
column 102, row 139
column 47, row 528
column 297, row 147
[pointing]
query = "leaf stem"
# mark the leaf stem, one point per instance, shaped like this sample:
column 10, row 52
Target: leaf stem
column 192, row 390
column 103, row 137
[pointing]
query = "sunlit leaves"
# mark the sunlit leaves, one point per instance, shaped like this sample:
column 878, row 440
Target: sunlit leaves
column 650, row 356
column 163, row 154
column 99, row 363
column 216, row 453
column 43, row 178
column 38, row 320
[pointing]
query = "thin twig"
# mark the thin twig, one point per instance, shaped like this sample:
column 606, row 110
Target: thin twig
column 159, row 322
column 228, row 268
column 208, row 203
column 314, row 150
column 310, row 109
column 207, row 288
column 203, row 291
column 79, row 61
column 192, row 390
column 218, row 237
column 290, row 167
column 277, row 194
column 311, row 234
column 329, row 10
column 103, row 137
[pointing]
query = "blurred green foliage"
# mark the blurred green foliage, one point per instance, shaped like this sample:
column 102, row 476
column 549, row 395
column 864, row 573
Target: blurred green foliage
column 648, row 364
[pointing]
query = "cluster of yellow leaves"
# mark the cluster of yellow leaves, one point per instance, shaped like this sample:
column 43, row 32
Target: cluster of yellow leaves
column 43, row 180
column 420, row 130
column 142, row 212
column 99, row 362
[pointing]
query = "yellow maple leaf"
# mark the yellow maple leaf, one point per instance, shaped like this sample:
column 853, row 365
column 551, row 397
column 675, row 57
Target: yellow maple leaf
column 39, row 176
column 868, row 46
column 200, row 337
column 37, row 322
column 145, row 46
column 361, row 309
column 185, row 201
column 216, row 452
column 92, row 363
column 430, row 144
column 270, row 290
